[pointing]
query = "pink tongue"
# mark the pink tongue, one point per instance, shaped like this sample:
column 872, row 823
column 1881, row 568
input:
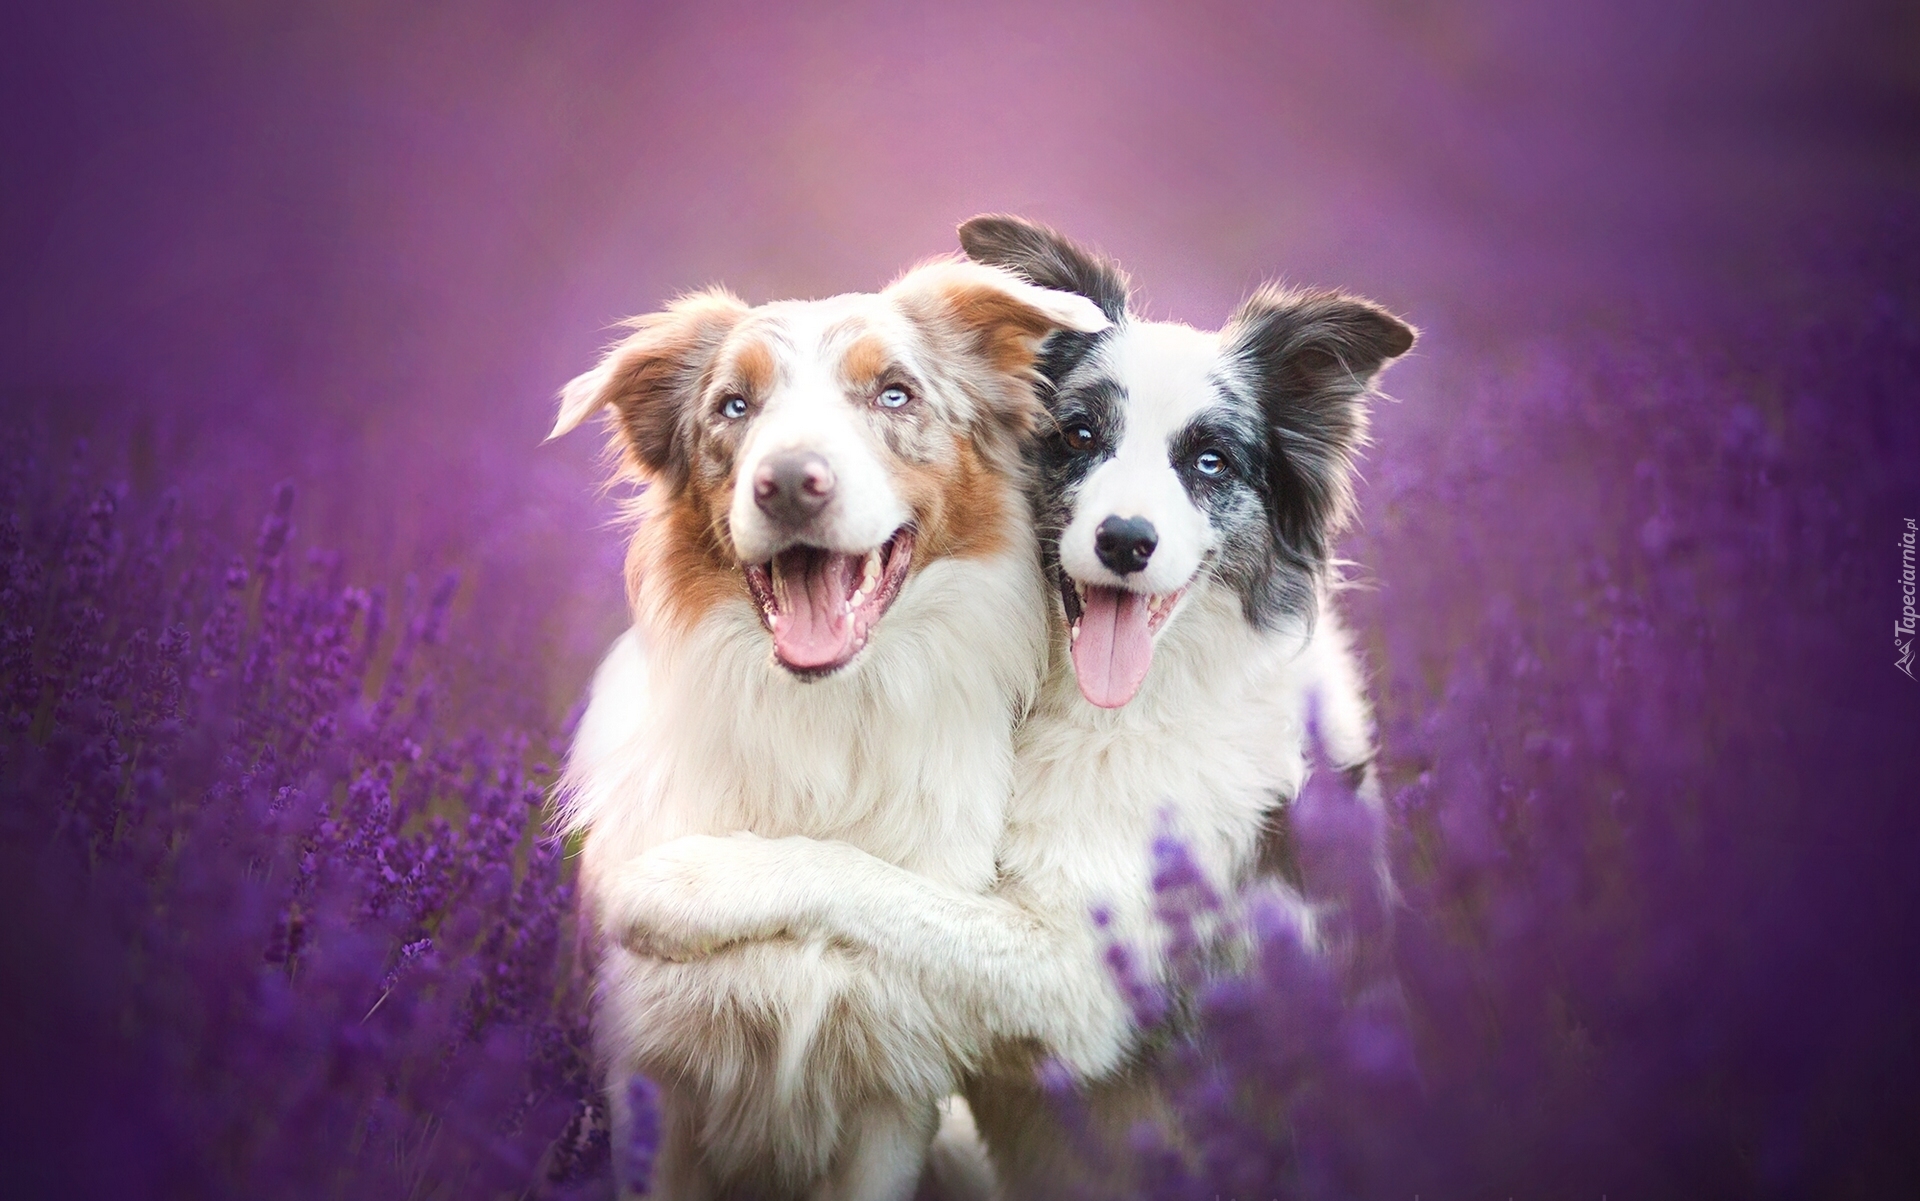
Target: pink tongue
column 1114, row 649
column 814, row 629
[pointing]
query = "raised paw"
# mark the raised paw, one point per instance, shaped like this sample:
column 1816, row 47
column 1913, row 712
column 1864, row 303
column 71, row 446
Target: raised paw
column 688, row 898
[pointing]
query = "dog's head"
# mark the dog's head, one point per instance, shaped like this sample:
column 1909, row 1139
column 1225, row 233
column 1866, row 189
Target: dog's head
column 812, row 455
column 1180, row 460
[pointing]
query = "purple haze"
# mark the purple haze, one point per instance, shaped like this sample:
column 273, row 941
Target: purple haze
column 277, row 924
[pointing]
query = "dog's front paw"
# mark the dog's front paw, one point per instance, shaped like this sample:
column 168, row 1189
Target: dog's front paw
column 687, row 898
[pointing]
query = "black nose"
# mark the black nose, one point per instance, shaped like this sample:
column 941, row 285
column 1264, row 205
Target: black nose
column 1124, row 544
column 792, row 486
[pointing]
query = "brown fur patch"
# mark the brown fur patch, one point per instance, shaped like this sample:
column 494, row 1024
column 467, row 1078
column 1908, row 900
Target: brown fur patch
column 753, row 368
column 679, row 565
column 959, row 506
column 656, row 375
column 865, row 364
column 1007, row 331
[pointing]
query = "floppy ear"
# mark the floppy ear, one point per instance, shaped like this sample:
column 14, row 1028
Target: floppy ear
column 1000, row 321
column 1311, row 357
column 1045, row 257
column 651, row 376
column 1006, row 316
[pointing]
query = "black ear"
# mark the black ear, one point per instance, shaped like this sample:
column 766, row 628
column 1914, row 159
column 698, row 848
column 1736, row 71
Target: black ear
column 1043, row 256
column 1311, row 357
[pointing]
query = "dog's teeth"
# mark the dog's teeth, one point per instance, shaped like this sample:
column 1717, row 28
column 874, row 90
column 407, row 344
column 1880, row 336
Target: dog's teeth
column 871, row 571
column 856, row 600
column 1073, row 635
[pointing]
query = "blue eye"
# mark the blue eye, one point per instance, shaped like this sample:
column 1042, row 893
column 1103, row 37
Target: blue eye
column 733, row 408
column 893, row 397
column 1209, row 462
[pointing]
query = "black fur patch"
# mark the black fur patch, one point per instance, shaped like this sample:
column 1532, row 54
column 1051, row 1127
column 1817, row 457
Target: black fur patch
column 1277, row 852
column 1357, row 774
column 1310, row 358
column 1043, row 256
column 1240, row 503
column 1100, row 404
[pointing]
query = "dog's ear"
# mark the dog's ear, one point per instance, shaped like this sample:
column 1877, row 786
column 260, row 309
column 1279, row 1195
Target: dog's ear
column 999, row 322
column 1047, row 258
column 651, row 376
column 1311, row 357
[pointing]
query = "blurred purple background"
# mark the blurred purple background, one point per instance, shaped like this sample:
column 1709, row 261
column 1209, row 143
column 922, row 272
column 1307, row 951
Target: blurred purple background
column 360, row 245
column 1631, row 525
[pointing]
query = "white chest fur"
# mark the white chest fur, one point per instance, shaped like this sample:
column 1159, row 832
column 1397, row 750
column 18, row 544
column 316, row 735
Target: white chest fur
column 1211, row 743
column 907, row 755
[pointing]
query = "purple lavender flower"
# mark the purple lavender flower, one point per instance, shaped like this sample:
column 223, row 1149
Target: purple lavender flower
column 640, row 1140
column 302, row 996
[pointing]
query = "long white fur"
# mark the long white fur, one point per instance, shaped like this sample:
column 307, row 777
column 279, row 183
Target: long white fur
column 792, row 1066
column 707, row 736
column 1214, row 738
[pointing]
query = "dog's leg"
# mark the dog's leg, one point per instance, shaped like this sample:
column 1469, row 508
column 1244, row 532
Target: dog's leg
column 1039, row 1152
column 958, row 1168
column 882, row 1148
column 1053, row 1149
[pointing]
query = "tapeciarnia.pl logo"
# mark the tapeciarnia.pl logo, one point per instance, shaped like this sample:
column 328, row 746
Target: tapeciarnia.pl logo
column 1903, row 629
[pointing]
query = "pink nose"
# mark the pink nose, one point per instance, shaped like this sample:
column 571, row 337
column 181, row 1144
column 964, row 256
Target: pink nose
column 792, row 487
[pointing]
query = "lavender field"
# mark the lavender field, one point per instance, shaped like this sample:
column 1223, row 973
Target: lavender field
column 295, row 607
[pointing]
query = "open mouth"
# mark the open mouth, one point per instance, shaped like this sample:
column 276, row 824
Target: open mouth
column 1112, row 631
column 821, row 605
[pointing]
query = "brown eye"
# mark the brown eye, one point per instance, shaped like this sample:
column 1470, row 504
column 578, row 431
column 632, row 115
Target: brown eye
column 893, row 397
column 1078, row 437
